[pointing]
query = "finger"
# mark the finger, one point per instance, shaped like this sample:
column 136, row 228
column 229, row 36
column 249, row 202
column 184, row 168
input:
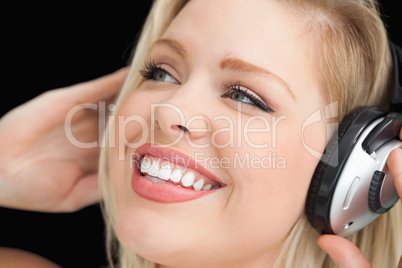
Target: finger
column 102, row 88
column 394, row 163
column 343, row 252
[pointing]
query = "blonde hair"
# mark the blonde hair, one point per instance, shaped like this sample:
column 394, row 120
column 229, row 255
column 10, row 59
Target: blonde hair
column 351, row 43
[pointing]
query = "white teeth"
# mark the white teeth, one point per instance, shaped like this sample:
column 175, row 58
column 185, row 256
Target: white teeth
column 165, row 171
column 198, row 185
column 188, row 179
column 154, row 168
column 207, row 187
column 145, row 165
column 176, row 175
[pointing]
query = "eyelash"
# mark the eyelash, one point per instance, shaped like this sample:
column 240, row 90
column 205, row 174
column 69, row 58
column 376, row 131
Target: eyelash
column 150, row 69
column 237, row 87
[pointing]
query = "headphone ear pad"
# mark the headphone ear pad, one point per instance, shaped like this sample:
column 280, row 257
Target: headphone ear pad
column 317, row 178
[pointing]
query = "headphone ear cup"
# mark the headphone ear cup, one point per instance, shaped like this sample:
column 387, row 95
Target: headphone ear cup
column 315, row 195
column 323, row 165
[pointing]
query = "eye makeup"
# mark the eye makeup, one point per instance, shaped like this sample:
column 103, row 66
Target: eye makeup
column 234, row 91
column 152, row 71
column 237, row 92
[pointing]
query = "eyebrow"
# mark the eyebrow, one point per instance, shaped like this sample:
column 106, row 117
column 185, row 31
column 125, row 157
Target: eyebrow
column 175, row 45
column 234, row 64
column 239, row 65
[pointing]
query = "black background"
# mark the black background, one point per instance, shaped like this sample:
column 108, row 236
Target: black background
column 52, row 46
column 47, row 47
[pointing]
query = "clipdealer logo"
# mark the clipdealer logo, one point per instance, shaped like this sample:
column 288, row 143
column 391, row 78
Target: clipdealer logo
column 270, row 160
column 236, row 130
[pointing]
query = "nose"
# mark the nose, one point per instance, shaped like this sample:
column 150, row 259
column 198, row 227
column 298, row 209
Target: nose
column 175, row 120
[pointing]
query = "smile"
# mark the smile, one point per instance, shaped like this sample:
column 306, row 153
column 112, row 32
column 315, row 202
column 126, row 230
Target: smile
column 168, row 176
column 162, row 171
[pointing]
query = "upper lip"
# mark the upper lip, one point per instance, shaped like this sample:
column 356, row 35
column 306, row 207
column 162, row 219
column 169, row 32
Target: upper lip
column 175, row 157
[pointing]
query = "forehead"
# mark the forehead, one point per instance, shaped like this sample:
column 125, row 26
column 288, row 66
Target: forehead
column 235, row 25
column 263, row 32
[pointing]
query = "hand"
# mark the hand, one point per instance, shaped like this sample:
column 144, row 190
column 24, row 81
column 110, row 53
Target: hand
column 40, row 169
column 343, row 252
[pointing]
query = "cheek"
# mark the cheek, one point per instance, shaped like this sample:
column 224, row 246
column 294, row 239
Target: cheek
column 301, row 161
column 132, row 121
column 274, row 185
column 129, row 130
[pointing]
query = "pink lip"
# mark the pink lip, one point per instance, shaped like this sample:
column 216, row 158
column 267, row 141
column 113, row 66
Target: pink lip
column 165, row 193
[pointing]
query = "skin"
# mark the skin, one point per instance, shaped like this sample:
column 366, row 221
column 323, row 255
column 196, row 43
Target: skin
column 37, row 155
column 253, row 209
column 237, row 214
column 18, row 258
column 255, row 36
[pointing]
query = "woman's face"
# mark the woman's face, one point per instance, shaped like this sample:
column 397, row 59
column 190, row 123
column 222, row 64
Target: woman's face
column 240, row 76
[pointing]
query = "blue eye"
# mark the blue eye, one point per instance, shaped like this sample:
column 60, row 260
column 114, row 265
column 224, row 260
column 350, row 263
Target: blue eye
column 237, row 93
column 239, row 96
column 152, row 71
column 162, row 75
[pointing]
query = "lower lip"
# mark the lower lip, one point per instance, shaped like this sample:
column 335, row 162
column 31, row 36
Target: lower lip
column 164, row 193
